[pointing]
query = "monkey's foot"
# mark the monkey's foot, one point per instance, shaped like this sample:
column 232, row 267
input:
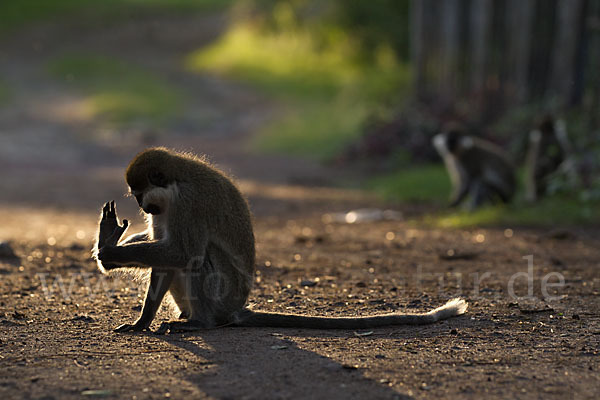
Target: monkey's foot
column 184, row 315
column 131, row 328
column 179, row 327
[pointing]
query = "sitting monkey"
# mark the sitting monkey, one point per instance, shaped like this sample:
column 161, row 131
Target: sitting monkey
column 548, row 152
column 477, row 168
column 198, row 250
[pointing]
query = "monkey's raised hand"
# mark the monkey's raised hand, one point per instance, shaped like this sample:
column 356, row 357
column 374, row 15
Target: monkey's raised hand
column 110, row 231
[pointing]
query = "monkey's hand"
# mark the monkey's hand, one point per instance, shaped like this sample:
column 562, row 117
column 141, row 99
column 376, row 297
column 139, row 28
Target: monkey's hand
column 110, row 231
column 136, row 327
column 107, row 255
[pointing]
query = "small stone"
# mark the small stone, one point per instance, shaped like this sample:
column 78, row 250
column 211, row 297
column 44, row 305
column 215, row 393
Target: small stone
column 84, row 318
column 308, row 282
column 6, row 250
column 18, row 315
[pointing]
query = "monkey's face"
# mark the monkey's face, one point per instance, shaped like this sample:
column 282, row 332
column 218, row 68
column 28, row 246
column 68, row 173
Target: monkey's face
column 448, row 142
column 154, row 197
column 453, row 139
column 152, row 179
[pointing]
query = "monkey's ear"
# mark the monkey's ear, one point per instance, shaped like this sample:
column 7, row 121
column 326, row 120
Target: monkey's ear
column 157, row 178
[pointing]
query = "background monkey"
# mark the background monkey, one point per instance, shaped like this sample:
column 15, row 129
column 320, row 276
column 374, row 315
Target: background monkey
column 477, row 168
column 199, row 249
column 548, row 151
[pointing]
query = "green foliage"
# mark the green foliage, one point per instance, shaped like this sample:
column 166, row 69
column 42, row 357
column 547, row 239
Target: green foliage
column 18, row 13
column 430, row 184
column 291, row 64
column 328, row 92
column 316, row 130
column 117, row 91
column 376, row 23
column 372, row 24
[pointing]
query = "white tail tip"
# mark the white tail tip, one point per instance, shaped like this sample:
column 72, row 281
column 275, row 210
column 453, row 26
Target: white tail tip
column 459, row 305
column 452, row 308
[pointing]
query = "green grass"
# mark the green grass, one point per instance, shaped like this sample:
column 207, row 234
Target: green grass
column 328, row 92
column 316, row 130
column 431, row 185
column 116, row 91
column 18, row 13
column 550, row 211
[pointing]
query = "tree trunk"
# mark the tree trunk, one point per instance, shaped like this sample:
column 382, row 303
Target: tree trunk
column 450, row 47
column 417, row 33
column 480, row 23
column 565, row 49
column 519, row 21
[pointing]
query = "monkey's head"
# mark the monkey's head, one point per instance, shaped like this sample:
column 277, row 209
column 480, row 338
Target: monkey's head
column 151, row 176
column 546, row 124
column 451, row 139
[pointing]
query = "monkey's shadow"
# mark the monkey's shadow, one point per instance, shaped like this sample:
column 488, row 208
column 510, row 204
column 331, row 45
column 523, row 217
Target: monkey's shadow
column 262, row 363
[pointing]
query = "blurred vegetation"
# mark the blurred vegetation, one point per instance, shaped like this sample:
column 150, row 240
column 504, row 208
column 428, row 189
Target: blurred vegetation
column 15, row 14
column 430, row 185
column 5, row 92
column 312, row 66
column 341, row 73
column 117, row 91
column 341, row 69
column 548, row 212
column 427, row 183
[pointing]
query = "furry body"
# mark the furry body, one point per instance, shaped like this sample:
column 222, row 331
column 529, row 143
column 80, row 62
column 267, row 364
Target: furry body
column 199, row 249
column 477, row 168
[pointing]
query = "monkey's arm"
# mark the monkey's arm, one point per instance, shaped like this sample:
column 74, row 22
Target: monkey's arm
column 157, row 288
column 459, row 179
column 159, row 254
column 138, row 237
column 563, row 137
column 533, row 154
column 568, row 166
column 460, row 191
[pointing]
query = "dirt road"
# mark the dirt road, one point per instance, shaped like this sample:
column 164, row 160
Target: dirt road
column 57, row 313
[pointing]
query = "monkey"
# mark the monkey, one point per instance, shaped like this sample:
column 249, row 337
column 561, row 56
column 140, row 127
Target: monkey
column 549, row 151
column 477, row 168
column 199, row 251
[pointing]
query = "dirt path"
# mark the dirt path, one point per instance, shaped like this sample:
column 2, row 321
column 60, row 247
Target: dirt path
column 56, row 341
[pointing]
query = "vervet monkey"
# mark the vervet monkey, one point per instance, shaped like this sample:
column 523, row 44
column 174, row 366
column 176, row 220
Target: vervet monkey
column 477, row 168
column 549, row 151
column 199, row 249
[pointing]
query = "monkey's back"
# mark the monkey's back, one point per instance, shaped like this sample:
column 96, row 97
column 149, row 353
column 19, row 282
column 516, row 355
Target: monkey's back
column 489, row 163
column 221, row 208
column 219, row 224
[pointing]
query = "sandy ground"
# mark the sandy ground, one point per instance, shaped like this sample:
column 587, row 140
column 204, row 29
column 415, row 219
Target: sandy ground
column 524, row 335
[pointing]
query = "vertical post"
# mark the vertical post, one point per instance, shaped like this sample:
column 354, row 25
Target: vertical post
column 562, row 81
column 450, row 47
column 480, row 23
column 416, row 45
column 519, row 20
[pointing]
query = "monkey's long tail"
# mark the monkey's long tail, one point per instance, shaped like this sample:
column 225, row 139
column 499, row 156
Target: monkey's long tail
column 248, row 318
